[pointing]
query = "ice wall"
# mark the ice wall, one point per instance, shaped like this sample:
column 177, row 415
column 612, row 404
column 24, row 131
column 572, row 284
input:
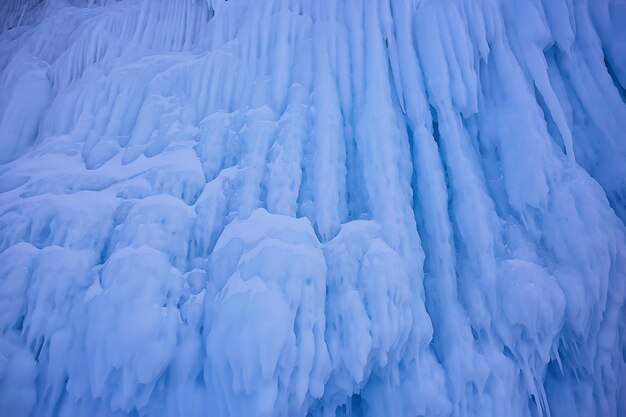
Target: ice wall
column 312, row 208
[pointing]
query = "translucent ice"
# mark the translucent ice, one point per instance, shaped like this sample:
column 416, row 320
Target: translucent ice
column 312, row 208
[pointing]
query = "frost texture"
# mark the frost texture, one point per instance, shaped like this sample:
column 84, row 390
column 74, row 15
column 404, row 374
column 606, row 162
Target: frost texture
column 312, row 208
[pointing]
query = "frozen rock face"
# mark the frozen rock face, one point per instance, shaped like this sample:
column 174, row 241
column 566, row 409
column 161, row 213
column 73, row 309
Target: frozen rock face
column 312, row 208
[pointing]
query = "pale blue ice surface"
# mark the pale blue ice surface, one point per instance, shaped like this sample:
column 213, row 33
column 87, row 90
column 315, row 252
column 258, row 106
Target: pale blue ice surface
column 312, row 208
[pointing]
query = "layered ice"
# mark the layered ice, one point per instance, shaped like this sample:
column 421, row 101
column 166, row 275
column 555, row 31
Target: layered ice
column 312, row 208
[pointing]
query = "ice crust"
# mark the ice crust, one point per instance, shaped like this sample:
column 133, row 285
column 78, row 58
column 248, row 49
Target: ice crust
column 312, row 208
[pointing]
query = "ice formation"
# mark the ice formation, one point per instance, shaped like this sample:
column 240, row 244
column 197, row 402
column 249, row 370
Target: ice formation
column 312, row 208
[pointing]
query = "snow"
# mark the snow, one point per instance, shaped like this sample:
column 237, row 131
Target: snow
column 312, row 208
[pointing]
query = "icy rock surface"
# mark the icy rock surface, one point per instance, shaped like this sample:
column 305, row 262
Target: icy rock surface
column 312, row 208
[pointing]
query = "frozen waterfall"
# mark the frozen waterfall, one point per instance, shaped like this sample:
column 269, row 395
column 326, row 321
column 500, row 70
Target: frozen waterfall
column 312, row 208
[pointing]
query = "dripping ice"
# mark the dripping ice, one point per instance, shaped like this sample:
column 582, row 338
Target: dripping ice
column 312, row 208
